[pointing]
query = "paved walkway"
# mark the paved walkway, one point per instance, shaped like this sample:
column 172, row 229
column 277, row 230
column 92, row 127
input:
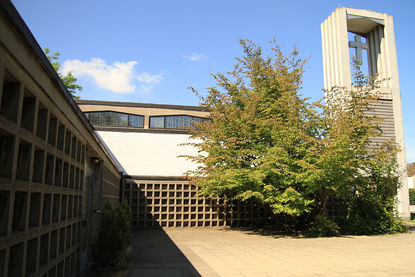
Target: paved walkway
column 225, row 252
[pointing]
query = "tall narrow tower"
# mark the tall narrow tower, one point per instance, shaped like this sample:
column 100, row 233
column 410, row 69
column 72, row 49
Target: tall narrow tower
column 374, row 45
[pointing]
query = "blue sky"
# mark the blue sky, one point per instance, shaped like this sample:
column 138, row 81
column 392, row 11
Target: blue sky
column 152, row 51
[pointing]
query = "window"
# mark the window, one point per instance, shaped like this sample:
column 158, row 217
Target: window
column 115, row 119
column 174, row 121
column 157, row 122
column 136, row 120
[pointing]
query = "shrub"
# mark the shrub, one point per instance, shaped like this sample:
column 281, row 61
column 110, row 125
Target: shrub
column 322, row 227
column 113, row 236
column 412, row 196
column 371, row 217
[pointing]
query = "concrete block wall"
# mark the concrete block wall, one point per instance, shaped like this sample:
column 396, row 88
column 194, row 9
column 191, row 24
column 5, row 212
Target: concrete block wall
column 47, row 221
column 176, row 203
column 41, row 184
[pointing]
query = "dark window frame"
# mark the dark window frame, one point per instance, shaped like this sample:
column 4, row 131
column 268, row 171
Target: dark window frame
column 130, row 118
column 191, row 119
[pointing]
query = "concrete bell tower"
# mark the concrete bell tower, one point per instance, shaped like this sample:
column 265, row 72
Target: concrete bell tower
column 378, row 32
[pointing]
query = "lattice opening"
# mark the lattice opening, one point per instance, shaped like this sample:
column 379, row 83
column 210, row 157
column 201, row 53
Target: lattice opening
column 34, row 215
column 53, row 125
column 63, row 207
column 68, row 142
column 77, row 260
column 31, row 255
column 47, row 205
column 68, row 237
column 44, row 249
column 52, row 272
column 53, row 244
column 28, row 112
column 16, row 260
column 2, row 259
column 73, row 263
column 23, row 160
column 79, row 232
column 38, row 165
column 65, row 174
column 19, row 211
column 42, row 118
column 7, row 142
column 58, row 173
column 78, row 151
column 80, row 206
column 77, row 178
column 55, row 210
column 67, row 265
column 4, row 212
column 83, row 154
column 50, row 160
column 70, row 206
column 82, row 180
column 75, row 206
column 74, row 234
column 61, row 240
column 61, row 137
column 60, row 269
column 10, row 99
column 73, row 148
column 71, row 176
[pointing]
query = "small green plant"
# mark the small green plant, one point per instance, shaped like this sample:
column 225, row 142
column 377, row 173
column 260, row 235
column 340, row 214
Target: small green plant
column 113, row 236
column 412, row 196
column 322, row 227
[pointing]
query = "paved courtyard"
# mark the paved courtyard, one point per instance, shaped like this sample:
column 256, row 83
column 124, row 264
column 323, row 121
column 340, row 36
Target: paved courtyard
column 226, row 252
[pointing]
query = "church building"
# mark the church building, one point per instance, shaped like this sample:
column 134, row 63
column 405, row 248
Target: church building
column 61, row 159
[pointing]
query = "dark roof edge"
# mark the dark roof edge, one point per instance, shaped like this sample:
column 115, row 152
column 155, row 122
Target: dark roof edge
column 142, row 130
column 27, row 36
column 141, row 105
column 156, row 178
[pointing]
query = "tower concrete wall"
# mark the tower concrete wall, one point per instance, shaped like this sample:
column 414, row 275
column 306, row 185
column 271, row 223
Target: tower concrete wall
column 378, row 30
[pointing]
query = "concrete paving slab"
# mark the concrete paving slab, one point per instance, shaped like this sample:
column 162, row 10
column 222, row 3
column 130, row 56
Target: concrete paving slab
column 155, row 254
column 225, row 252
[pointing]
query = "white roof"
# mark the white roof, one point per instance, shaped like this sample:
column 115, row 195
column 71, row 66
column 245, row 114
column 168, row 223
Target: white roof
column 150, row 154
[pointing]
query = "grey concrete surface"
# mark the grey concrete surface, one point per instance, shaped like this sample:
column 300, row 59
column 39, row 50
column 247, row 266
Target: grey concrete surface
column 226, row 252
column 155, row 254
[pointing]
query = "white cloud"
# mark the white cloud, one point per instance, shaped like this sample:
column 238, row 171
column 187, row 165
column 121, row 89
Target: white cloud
column 148, row 78
column 196, row 57
column 146, row 88
column 118, row 77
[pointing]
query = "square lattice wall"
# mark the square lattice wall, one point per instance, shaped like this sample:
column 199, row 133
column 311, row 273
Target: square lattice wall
column 38, row 196
column 177, row 204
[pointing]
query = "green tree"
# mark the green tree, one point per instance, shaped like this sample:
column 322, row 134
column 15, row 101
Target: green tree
column 265, row 142
column 69, row 80
column 256, row 145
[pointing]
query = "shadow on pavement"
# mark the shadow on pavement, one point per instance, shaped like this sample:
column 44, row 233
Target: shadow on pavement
column 155, row 254
column 269, row 232
column 266, row 231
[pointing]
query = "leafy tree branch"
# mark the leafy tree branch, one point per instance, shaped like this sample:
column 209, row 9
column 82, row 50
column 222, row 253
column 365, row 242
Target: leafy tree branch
column 69, row 80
